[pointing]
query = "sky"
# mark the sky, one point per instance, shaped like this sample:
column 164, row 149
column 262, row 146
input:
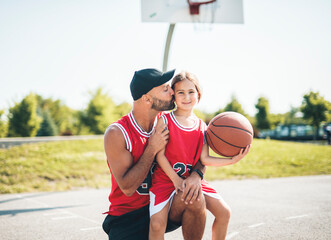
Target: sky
column 65, row 49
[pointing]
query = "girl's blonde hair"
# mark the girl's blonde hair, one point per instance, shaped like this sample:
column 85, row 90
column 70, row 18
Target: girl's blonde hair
column 189, row 76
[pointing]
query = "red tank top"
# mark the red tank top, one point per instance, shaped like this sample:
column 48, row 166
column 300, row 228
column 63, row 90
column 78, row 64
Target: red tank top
column 136, row 141
column 188, row 141
column 183, row 152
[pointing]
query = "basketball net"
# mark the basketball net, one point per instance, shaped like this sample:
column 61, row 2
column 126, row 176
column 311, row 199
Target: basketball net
column 202, row 13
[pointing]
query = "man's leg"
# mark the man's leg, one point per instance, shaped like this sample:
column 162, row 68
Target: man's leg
column 192, row 216
column 106, row 224
column 129, row 226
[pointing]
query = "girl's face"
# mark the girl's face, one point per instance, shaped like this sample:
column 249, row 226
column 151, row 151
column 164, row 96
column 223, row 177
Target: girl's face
column 186, row 95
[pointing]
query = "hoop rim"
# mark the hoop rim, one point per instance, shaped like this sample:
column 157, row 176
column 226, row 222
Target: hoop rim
column 195, row 6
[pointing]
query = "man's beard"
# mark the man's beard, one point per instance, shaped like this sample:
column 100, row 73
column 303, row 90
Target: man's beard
column 161, row 105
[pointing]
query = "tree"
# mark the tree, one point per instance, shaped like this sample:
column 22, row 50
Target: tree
column 3, row 125
column 315, row 109
column 23, row 118
column 122, row 109
column 100, row 112
column 234, row 106
column 64, row 117
column 262, row 116
column 48, row 126
column 294, row 116
column 276, row 119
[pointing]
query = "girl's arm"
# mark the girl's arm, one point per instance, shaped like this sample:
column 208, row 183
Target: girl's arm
column 221, row 161
column 167, row 168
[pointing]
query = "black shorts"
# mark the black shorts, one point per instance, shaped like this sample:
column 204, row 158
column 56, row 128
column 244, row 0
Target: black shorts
column 131, row 226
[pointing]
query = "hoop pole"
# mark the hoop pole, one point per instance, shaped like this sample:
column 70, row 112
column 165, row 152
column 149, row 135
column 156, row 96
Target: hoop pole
column 167, row 46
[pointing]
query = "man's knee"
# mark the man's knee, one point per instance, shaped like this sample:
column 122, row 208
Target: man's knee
column 106, row 224
column 197, row 206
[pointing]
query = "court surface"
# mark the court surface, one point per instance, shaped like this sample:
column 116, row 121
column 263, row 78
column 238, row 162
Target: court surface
column 279, row 208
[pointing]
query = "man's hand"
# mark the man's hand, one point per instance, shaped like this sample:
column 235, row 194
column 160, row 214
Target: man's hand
column 192, row 189
column 159, row 137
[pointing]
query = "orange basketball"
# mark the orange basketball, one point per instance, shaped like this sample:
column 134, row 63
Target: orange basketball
column 228, row 133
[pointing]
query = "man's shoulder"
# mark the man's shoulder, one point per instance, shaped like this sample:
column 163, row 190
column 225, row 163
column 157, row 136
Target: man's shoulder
column 113, row 131
column 115, row 137
column 118, row 125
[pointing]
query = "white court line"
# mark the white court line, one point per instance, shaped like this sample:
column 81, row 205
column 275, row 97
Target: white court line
column 55, row 213
column 32, row 200
column 256, row 225
column 90, row 228
column 72, row 215
column 64, row 212
column 294, row 217
column 231, row 235
column 60, row 218
column 86, row 219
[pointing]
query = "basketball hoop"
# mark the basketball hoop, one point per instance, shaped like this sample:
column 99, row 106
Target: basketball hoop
column 202, row 13
column 195, row 6
column 204, row 19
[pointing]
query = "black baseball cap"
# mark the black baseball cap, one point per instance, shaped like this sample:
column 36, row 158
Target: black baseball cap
column 146, row 79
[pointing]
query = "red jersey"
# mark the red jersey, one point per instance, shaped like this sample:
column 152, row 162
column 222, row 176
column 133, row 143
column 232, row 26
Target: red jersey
column 136, row 142
column 183, row 152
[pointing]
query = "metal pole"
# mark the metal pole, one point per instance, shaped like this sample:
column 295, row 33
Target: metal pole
column 167, row 46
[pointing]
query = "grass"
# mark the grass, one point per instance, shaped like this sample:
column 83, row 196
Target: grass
column 57, row 166
column 53, row 166
column 270, row 158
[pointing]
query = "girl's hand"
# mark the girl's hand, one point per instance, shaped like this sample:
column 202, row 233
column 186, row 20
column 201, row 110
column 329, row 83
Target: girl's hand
column 178, row 183
column 241, row 155
column 192, row 189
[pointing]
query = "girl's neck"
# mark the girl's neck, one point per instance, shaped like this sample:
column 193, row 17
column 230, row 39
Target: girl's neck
column 185, row 118
column 183, row 113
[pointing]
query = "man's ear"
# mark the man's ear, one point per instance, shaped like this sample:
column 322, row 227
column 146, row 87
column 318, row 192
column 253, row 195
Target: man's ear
column 146, row 99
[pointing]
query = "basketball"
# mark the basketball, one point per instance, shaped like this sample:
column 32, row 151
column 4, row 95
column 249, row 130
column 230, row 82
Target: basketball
column 228, row 133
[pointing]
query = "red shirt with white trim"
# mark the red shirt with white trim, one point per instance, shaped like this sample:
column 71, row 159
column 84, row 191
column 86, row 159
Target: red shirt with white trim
column 183, row 152
column 136, row 141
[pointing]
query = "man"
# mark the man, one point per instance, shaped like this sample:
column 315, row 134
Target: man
column 131, row 145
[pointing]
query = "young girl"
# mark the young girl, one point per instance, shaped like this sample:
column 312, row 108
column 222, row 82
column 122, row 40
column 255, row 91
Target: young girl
column 185, row 147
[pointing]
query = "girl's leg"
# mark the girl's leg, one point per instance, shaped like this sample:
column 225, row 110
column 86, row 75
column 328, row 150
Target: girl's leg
column 220, row 209
column 158, row 223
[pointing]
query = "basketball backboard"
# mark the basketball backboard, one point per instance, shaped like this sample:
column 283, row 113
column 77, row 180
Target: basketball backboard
column 178, row 11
